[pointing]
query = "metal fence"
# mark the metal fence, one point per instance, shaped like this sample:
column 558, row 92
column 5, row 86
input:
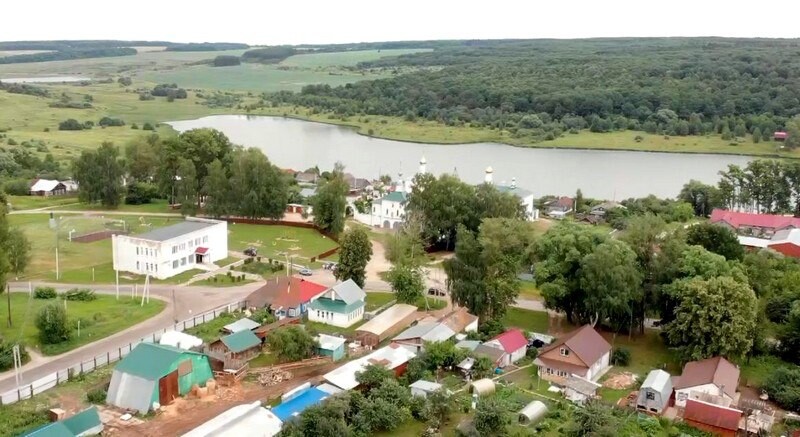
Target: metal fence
column 47, row 382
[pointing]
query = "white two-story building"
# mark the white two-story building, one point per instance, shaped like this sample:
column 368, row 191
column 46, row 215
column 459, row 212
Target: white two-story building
column 168, row 251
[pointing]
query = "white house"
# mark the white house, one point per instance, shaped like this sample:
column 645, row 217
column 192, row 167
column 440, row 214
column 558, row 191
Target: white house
column 582, row 352
column 342, row 305
column 166, row 252
column 47, row 187
column 525, row 196
column 513, row 344
column 711, row 380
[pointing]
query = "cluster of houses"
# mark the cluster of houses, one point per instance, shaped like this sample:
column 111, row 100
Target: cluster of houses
column 762, row 231
column 561, row 207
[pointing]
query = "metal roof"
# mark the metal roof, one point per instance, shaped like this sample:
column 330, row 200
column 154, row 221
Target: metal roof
column 349, row 291
column 308, row 192
column 656, row 379
column 517, row 191
column 390, row 357
column 330, row 389
column 45, row 185
column 150, row 361
column 427, row 386
column 427, row 331
column 240, row 341
column 244, row 324
column 176, row 230
column 394, row 196
column 335, row 306
column 87, row 422
column 180, row 340
column 388, row 319
column 469, row 345
column 329, row 342
column 298, row 403
column 248, row 419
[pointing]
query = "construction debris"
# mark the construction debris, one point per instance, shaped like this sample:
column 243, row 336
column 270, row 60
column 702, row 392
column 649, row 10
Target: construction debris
column 269, row 379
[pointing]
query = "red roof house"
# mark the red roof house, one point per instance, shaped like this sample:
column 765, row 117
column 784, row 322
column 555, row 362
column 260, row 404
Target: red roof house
column 780, row 136
column 513, row 344
column 286, row 297
column 712, row 418
column 786, row 242
column 757, row 223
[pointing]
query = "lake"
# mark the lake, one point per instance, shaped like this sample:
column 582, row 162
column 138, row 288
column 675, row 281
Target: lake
column 50, row 79
column 600, row 174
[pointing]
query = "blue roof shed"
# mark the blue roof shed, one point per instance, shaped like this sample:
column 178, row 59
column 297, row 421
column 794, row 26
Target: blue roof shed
column 302, row 400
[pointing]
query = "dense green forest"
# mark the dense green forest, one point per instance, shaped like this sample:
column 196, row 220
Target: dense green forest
column 674, row 86
column 66, row 50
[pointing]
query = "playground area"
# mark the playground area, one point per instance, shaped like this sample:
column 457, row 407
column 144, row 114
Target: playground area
column 279, row 242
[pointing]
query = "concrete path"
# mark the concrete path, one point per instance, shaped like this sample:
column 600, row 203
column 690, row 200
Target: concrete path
column 187, row 302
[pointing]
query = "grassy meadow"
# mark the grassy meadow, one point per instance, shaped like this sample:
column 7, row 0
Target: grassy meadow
column 100, row 318
column 275, row 241
column 344, row 59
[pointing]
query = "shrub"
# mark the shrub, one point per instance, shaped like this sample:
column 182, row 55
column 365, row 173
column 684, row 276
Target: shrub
column 621, row 356
column 96, row 395
column 134, row 126
column 44, row 293
column 783, row 385
column 17, row 187
column 7, row 354
column 108, row 121
column 52, row 324
column 12, row 142
column 69, row 124
column 80, row 294
column 638, row 138
column 148, row 126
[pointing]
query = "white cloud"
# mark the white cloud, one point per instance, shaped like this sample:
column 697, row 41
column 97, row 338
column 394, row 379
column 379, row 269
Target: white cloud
column 326, row 21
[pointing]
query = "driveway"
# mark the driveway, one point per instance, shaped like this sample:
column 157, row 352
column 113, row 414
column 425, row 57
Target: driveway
column 188, row 301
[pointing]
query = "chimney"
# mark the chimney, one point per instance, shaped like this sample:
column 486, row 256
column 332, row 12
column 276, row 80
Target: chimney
column 488, row 177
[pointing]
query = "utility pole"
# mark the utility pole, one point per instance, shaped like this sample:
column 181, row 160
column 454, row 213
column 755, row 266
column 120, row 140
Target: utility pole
column 174, row 308
column 17, row 363
column 8, row 299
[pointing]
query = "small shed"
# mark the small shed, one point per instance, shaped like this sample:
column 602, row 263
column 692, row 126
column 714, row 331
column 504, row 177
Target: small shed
column 465, row 366
column 655, row 392
column 424, row 388
column 244, row 324
column 331, row 346
column 242, row 345
column 156, row 373
column 85, row 423
column 780, row 136
column 532, row 413
column 386, row 324
column 579, row 390
column 483, row 387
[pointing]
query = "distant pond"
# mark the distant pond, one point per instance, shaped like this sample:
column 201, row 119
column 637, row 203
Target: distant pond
column 298, row 144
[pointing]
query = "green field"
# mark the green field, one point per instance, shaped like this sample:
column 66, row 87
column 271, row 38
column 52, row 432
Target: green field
column 156, row 206
column 19, row 203
column 278, row 241
column 99, row 319
column 348, row 59
column 533, row 321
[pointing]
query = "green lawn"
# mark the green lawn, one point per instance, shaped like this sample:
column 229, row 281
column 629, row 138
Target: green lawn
column 212, row 330
column 648, row 352
column 533, row 321
column 264, row 359
column 157, row 206
column 528, row 290
column 277, row 241
column 323, row 328
column 19, row 203
column 99, row 319
column 755, row 370
column 376, row 300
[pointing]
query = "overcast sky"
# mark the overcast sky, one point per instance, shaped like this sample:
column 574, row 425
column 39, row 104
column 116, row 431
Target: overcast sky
column 337, row 21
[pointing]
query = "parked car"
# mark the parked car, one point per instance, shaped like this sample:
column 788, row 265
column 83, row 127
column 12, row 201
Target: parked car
column 251, row 251
column 305, row 272
column 433, row 291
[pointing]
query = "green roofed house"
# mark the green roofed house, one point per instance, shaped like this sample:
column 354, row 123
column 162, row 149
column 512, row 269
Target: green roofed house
column 85, row 423
column 153, row 373
column 341, row 305
column 242, row 345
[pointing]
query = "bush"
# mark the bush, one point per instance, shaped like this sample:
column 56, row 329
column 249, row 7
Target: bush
column 17, row 187
column 783, row 385
column 80, row 294
column 134, row 126
column 52, row 324
column 7, row 354
column 148, row 126
column 108, row 121
column 140, row 193
column 97, row 395
column 226, row 61
column 621, row 356
column 69, row 124
column 44, row 293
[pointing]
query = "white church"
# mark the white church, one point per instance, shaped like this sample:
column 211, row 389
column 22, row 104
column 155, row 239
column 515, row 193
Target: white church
column 390, row 210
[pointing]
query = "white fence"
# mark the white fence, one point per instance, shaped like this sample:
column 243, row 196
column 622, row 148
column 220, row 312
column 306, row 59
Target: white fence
column 47, row 382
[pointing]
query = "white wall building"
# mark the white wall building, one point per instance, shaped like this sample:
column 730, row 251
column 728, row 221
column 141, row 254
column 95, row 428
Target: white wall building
column 342, row 305
column 166, row 252
column 525, row 196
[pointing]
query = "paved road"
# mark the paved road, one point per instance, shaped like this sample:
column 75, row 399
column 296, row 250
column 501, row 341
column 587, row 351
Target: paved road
column 188, row 301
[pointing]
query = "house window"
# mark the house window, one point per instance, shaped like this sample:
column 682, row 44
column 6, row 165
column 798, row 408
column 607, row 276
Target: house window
column 548, row 371
column 205, row 239
column 137, row 265
column 562, row 373
column 191, row 244
column 564, row 352
column 650, row 396
column 175, row 264
column 191, row 259
column 197, row 241
column 174, row 249
column 137, row 250
column 183, row 261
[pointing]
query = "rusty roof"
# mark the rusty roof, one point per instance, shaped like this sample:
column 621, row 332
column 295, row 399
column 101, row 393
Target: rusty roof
column 459, row 319
column 717, row 371
column 712, row 415
column 584, row 342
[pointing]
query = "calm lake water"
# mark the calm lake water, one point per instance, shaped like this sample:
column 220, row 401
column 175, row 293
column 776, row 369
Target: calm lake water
column 602, row 174
column 51, row 79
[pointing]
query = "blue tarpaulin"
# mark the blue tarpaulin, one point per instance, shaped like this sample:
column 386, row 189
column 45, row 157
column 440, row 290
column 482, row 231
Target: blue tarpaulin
column 298, row 403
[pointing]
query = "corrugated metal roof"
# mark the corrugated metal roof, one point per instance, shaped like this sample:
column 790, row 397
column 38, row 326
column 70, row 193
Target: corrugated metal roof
column 45, row 185
column 86, row 420
column 469, row 345
column 298, row 403
column 391, row 357
column 329, row 342
column 244, row 324
column 512, row 340
column 150, row 361
column 584, row 342
column 416, row 331
column 394, row 196
column 241, row 420
column 716, row 370
column 349, row 291
column 336, row 306
column 55, row 429
column 388, row 319
column 176, row 230
column 240, row 341
column 713, row 415
column 427, row 386
column 330, row 389
column 656, row 380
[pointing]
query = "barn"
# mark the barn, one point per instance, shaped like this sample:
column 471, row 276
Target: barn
column 153, row 373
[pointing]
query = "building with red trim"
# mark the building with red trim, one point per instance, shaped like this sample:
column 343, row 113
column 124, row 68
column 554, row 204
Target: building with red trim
column 712, row 418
